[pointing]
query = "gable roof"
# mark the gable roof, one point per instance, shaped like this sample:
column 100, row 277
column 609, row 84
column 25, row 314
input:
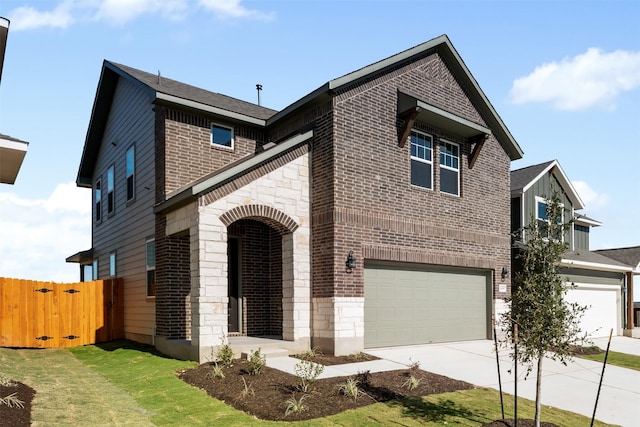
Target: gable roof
column 444, row 48
column 629, row 256
column 163, row 91
column 522, row 179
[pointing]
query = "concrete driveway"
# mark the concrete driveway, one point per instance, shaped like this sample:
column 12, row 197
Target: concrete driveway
column 573, row 387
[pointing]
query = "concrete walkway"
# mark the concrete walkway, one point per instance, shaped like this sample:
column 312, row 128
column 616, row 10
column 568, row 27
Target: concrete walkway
column 573, row 387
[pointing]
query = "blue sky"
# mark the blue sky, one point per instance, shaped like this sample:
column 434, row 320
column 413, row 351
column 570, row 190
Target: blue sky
column 563, row 75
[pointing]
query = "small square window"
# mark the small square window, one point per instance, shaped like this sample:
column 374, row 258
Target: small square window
column 222, row 136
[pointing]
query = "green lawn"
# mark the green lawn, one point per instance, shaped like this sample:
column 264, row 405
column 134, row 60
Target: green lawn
column 623, row 360
column 149, row 378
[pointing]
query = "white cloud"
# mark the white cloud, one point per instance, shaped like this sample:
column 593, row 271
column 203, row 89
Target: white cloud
column 590, row 79
column 591, row 198
column 119, row 12
column 233, row 9
column 37, row 235
column 28, row 18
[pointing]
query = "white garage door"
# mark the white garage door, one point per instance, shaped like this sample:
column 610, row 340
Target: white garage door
column 603, row 310
column 418, row 305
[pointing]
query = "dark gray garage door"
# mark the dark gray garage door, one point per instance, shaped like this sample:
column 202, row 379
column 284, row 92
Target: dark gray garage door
column 421, row 304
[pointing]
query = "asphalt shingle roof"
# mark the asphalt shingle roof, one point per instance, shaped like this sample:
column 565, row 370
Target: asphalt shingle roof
column 521, row 177
column 592, row 257
column 192, row 93
column 629, row 256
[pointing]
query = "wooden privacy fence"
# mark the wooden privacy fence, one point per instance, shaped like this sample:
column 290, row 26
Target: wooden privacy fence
column 55, row 315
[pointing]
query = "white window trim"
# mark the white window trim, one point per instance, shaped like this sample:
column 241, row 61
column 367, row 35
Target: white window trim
column 420, row 159
column 233, row 137
column 450, row 168
column 544, row 201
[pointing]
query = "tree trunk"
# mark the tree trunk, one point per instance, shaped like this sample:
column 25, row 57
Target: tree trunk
column 539, row 390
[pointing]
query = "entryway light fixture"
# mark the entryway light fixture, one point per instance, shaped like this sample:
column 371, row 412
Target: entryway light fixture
column 504, row 273
column 351, row 262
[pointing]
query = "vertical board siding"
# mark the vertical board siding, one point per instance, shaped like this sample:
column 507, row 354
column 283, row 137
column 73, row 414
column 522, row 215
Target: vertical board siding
column 58, row 315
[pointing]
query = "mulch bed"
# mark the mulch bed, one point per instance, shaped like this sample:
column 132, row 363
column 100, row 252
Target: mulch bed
column 16, row 416
column 272, row 388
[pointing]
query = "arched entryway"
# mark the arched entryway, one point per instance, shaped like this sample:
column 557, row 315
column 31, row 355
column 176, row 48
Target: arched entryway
column 259, row 266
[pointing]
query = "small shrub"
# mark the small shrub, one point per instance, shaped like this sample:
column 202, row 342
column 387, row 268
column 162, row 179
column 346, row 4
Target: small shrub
column 12, row 401
column 359, row 356
column 364, row 377
column 351, row 388
column 256, row 362
column 294, row 405
column 224, row 355
column 247, row 390
column 216, row 372
column 310, row 354
column 5, row 381
column 414, row 367
column 308, row 372
column 412, row 382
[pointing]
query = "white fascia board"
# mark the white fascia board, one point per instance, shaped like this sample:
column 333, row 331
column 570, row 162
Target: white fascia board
column 593, row 266
column 209, row 109
column 540, row 175
column 10, row 144
column 587, row 221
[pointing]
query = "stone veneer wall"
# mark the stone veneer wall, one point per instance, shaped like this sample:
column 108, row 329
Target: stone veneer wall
column 280, row 196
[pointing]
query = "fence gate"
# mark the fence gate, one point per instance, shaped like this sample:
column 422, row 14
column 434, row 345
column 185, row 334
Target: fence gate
column 55, row 315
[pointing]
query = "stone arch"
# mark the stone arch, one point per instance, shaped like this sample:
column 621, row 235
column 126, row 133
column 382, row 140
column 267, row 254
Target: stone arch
column 280, row 221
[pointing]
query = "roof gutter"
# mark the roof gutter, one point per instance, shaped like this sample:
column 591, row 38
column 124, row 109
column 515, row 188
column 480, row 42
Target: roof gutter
column 208, row 108
column 594, row 266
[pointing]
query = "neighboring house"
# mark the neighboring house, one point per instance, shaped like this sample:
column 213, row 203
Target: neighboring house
column 12, row 150
column 631, row 257
column 374, row 211
column 599, row 281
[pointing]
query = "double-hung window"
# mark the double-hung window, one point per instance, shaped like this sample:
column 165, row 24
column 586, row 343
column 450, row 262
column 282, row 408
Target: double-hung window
column 222, row 136
column 544, row 223
column 449, row 168
column 131, row 172
column 97, row 194
column 151, row 267
column 421, row 159
column 110, row 189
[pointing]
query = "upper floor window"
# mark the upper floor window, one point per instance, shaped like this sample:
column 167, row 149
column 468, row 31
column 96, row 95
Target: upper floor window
column 449, row 168
column 110, row 189
column 97, row 197
column 421, row 159
column 544, row 223
column 222, row 136
column 131, row 172
column 151, row 267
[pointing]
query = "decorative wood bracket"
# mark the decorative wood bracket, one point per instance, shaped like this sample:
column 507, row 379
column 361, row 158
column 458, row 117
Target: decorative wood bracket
column 479, row 142
column 409, row 118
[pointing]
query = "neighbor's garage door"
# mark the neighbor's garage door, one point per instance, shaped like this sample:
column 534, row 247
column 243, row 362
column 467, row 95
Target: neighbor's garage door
column 418, row 305
column 603, row 310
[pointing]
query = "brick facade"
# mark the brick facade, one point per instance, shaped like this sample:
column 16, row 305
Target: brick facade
column 298, row 215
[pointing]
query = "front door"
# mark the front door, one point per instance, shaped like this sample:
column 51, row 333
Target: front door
column 234, row 288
